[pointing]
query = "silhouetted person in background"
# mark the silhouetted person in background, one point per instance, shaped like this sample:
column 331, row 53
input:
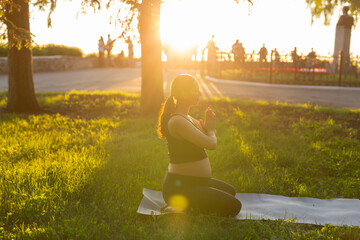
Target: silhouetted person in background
column 130, row 52
column 109, row 46
column 251, row 56
column 101, row 47
column 239, row 53
column 276, row 57
column 263, row 54
column 311, row 58
column 212, row 55
column 120, row 60
column 295, row 58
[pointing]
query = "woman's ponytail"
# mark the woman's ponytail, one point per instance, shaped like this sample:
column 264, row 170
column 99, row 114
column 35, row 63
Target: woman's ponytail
column 166, row 110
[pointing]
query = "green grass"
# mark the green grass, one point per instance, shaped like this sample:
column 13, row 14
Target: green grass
column 350, row 80
column 77, row 170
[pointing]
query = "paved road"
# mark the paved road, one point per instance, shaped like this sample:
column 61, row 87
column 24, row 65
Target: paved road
column 128, row 80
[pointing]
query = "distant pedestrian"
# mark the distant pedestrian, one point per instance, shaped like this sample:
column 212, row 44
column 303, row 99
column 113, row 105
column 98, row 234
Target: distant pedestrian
column 311, row 58
column 212, row 55
column 263, row 54
column 120, row 60
column 251, row 57
column 239, row 54
column 109, row 46
column 295, row 58
column 101, row 47
column 276, row 58
column 130, row 52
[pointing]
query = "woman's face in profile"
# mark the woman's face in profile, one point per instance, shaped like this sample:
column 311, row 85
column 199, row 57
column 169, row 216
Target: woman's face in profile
column 193, row 93
column 188, row 93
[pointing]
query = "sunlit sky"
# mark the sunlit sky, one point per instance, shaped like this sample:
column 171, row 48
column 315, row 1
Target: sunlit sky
column 281, row 24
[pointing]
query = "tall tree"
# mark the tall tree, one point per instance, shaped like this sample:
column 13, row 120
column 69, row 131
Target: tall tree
column 21, row 93
column 151, row 70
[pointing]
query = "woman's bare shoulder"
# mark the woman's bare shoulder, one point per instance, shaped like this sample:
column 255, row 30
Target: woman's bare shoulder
column 177, row 124
column 177, row 121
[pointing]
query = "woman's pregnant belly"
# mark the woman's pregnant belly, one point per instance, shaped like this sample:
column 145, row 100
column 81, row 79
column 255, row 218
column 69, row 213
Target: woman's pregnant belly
column 201, row 168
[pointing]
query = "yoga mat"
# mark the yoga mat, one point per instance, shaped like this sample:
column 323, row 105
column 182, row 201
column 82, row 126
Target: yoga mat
column 337, row 211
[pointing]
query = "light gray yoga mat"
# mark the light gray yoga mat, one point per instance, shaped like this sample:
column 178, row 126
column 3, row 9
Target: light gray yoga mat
column 337, row 211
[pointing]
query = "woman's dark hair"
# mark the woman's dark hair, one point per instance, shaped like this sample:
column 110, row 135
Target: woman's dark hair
column 179, row 85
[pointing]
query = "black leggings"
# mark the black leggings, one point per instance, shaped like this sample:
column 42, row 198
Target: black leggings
column 200, row 195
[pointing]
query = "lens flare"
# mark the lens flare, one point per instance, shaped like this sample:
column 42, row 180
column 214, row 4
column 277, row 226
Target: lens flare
column 178, row 202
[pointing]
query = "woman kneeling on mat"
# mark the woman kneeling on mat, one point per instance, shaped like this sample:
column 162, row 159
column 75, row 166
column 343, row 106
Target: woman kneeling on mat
column 188, row 185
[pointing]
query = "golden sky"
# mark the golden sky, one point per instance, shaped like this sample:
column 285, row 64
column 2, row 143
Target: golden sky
column 281, row 24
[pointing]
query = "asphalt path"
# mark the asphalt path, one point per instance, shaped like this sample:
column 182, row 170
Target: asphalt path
column 129, row 80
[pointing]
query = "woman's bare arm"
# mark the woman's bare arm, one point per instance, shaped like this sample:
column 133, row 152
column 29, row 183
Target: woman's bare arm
column 181, row 128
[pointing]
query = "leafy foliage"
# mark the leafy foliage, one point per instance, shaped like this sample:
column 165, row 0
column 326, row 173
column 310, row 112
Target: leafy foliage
column 19, row 36
column 326, row 8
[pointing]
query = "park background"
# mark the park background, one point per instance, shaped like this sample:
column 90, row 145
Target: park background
column 76, row 170
column 281, row 24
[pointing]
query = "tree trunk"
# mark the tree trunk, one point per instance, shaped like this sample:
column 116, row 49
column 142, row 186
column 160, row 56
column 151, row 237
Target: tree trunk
column 152, row 93
column 21, row 93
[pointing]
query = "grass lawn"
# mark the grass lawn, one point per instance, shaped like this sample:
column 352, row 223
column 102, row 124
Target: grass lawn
column 300, row 78
column 77, row 170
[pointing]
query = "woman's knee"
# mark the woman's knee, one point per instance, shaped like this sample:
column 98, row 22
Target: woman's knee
column 221, row 203
column 223, row 186
column 236, row 207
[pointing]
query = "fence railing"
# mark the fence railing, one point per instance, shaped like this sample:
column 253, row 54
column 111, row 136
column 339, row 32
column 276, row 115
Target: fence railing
column 314, row 70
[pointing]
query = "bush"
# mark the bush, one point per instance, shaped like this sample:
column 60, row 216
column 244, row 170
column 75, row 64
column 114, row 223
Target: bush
column 89, row 55
column 48, row 50
column 53, row 49
column 3, row 50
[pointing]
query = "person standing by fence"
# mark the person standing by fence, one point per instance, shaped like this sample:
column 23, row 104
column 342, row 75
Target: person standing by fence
column 239, row 54
column 212, row 55
column 130, row 52
column 263, row 54
column 295, row 58
column 101, row 48
column 311, row 58
column 276, row 58
column 109, row 46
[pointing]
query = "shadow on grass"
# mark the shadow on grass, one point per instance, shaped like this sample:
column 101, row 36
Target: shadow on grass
column 85, row 105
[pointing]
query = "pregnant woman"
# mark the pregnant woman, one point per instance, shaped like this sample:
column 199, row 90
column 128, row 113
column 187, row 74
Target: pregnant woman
column 188, row 185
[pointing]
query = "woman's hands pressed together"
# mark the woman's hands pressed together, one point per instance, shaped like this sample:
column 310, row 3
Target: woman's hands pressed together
column 209, row 125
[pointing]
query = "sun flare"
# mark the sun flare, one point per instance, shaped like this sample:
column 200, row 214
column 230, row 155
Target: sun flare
column 179, row 203
column 178, row 25
column 185, row 23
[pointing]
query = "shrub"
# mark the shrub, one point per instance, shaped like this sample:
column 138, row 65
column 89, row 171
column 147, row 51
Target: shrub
column 3, row 50
column 53, row 49
column 48, row 50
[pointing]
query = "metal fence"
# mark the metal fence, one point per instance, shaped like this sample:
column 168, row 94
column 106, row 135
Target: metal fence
column 314, row 70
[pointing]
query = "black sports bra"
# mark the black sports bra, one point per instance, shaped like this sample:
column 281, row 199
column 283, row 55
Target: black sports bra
column 182, row 151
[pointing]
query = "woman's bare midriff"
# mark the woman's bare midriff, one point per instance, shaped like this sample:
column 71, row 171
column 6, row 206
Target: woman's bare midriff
column 201, row 168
